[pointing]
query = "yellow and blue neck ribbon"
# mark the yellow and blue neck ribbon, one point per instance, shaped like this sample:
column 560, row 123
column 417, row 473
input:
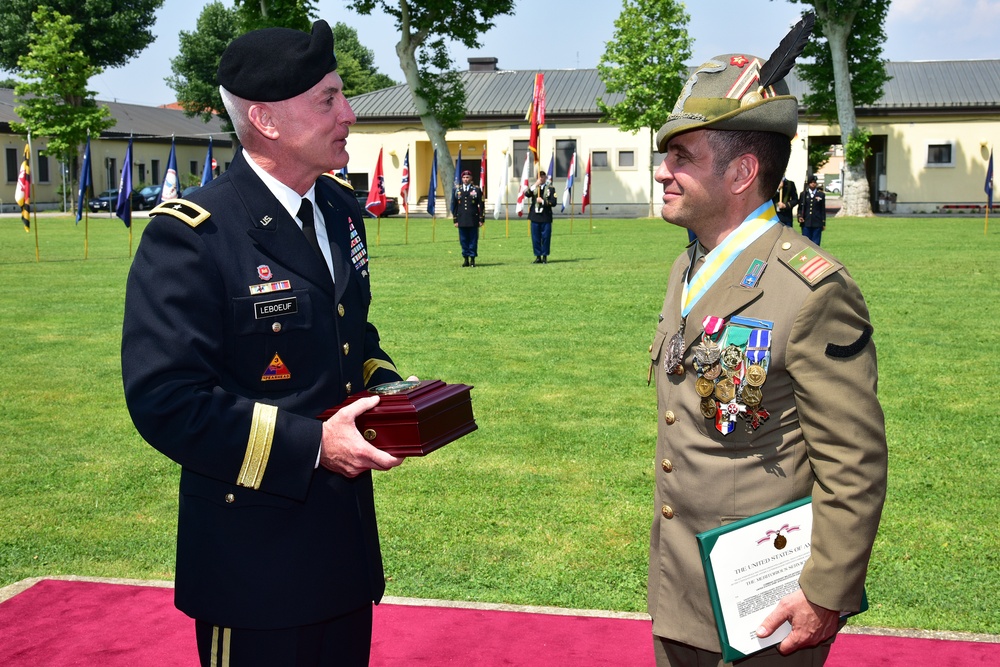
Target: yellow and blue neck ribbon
column 722, row 256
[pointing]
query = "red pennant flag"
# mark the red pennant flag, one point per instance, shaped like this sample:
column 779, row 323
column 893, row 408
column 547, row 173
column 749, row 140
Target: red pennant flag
column 376, row 196
column 586, row 187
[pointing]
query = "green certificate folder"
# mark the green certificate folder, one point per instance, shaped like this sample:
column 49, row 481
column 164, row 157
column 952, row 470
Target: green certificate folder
column 749, row 566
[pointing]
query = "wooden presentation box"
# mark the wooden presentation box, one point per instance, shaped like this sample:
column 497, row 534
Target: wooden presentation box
column 414, row 418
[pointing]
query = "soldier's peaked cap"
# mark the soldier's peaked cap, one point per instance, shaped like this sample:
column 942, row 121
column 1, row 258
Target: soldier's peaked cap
column 740, row 92
column 276, row 64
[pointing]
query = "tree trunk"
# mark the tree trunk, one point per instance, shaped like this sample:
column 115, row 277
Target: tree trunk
column 855, row 194
column 406, row 50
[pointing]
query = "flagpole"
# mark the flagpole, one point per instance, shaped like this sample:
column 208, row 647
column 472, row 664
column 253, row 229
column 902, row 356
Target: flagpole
column 571, row 212
column 86, row 218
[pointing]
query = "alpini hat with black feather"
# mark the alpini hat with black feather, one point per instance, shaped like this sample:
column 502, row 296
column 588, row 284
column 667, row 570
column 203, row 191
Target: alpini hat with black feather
column 740, row 92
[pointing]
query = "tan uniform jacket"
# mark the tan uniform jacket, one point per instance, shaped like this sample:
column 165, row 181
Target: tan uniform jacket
column 825, row 436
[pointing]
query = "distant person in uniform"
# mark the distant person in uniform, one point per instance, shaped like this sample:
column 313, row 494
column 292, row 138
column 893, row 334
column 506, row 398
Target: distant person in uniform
column 765, row 372
column 785, row 199
column 543, row 198
column 812, row 211
column 469, row 209
column 246, row 316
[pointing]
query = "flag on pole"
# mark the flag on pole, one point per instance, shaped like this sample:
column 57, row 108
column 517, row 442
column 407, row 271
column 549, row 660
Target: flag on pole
column 376, row 195
column 568, row 192
column 433, row 186
column 482, row 172
column 343, row 173
column 404, row 189
column 123, row 207
column 171, row 187
column 208, row 172
column 502, row 187
column 536, row 113
column 458, row 168
column 524, row 184
column 22, row 191
column 989, row 182
column 551, row 172
column 586, row 187
column 86, row 179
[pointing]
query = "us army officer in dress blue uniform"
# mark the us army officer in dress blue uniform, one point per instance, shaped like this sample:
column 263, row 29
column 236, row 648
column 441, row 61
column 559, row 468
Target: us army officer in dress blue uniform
column 765, row 372
column 246, row 316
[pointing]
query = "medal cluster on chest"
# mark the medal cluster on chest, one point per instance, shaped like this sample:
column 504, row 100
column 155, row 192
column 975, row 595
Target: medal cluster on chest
column 731, row 362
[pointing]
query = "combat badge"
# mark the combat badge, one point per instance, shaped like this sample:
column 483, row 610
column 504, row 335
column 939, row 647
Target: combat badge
column 276, row 370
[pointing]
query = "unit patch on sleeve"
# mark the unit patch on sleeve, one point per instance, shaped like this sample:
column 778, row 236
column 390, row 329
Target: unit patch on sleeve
column 812, row 265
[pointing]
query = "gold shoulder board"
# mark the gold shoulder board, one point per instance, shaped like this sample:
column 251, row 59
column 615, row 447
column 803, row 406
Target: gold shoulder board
column 811, row 264
column 340, row 180
column 182, row 209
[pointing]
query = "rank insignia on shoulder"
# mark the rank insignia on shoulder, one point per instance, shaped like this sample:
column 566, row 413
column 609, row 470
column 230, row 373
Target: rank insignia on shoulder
column 340, row 179
column 184, row 210
column 811, row 265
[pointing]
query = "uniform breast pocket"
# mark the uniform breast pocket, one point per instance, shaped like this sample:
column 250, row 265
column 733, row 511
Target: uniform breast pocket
column 273, row 341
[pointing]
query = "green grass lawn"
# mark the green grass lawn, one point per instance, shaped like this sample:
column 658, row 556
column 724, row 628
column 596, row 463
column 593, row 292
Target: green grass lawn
column 549, row 502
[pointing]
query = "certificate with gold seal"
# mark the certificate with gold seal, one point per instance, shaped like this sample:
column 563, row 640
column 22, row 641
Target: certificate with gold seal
column 413, row 418
column 749, row 566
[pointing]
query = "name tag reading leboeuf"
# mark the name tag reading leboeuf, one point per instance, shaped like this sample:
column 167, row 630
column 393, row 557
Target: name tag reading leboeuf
column 265, row 309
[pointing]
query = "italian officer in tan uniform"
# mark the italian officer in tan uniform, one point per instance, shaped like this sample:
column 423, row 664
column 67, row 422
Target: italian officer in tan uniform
column 765, row 370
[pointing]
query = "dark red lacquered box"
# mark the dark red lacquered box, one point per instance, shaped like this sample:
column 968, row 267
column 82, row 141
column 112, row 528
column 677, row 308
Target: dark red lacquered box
column 414, row 418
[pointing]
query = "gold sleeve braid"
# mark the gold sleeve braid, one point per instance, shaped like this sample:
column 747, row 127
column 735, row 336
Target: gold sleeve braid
column 372, row 365
column 258, row 445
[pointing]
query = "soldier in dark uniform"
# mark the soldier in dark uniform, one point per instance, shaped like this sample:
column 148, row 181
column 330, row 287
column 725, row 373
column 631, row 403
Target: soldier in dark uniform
column 543, row 198
column 812, row 211
column 785, row 199
column 246, row 316
column 469, row 209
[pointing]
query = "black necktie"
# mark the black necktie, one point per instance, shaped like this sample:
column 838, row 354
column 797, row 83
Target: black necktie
column 309, row 226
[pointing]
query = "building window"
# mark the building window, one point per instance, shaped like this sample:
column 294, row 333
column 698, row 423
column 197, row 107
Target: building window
column 520, row 151
column 155, row 168
column 41, row 170
column 564, row 153
column 941, row 154
column 599, row 160
column 142, row 173
column 194, row 167
column 626, row 159
column 13, row 166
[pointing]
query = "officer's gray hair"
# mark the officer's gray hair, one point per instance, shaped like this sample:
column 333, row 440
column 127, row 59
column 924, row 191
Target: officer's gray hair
column 237, row 108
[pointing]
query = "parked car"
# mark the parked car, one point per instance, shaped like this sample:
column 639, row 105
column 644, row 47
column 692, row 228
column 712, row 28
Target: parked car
column 391, row 203
column 188, row 190
column 107, row 200
column 834, row 186
column 146, row 198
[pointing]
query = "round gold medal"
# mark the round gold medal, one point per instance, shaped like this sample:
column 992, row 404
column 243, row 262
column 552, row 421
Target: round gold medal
column 752, row 396
column 713, row 371
column 756, row 375
column 705, row 388
column 732, row 356
column 709, row 408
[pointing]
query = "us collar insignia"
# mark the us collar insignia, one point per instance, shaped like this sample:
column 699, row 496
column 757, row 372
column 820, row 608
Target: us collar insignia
column 265, row 220
column 276, row 370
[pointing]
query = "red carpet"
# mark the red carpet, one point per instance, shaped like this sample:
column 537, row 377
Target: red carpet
column 63, row 623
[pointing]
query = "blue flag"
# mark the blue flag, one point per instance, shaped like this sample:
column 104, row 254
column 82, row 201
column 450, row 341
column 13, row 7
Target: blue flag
column 123, row 207
column 86, row 179
column 207, row 174
column 551, row 173
column 989, row 182
column 432, row 189
column 171, row 186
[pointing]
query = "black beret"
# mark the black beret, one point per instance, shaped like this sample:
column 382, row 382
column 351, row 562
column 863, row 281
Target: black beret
column 276, row 64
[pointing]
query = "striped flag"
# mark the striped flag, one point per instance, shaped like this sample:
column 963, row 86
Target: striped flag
column 376, row 195
column 482, row 173
column 22, row 191
column 568, row 192
column 524, row 184
column 404, row 189
column 586, row 187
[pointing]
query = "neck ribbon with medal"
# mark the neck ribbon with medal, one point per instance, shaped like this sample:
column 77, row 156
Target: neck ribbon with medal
column 731, row 361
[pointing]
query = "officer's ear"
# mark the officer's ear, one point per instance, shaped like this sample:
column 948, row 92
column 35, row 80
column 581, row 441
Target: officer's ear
column 262, row 118
column 743, row 172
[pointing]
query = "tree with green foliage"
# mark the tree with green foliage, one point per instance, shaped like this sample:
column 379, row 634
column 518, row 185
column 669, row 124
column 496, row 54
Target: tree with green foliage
column 53, row 101
column 111, row 31
column 195, row 67
column 436, row 88
column 646, row 61
column 848, row 70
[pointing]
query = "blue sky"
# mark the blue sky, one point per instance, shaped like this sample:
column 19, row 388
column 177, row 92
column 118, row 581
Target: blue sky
column 566, row 34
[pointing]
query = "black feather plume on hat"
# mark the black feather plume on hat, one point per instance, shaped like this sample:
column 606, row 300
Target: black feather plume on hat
column 782, row 59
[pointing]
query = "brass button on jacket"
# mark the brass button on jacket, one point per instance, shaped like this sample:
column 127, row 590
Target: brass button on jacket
column 230, row 498
column 669, row 417
column 667, row 511
column 348, row 387
column 347, row 348
column 667, row 465
column 340, row 309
